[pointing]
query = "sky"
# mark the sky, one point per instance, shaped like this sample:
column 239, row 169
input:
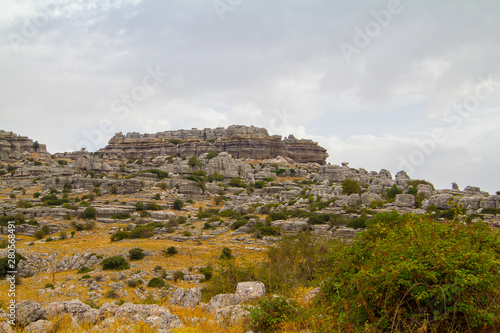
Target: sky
column 399, row 84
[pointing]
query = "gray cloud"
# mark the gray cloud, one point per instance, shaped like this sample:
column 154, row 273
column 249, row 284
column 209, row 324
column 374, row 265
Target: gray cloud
column 274, row 64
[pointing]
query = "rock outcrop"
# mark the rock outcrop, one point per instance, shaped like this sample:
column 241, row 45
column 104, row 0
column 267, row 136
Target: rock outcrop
column 13, row 145
column 240, row 141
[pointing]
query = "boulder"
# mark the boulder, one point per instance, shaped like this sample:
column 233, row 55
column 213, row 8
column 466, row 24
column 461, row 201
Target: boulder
column 28, row 312
column 405, row 201
column 186, row 297
column 40, row 326
column 80, row 312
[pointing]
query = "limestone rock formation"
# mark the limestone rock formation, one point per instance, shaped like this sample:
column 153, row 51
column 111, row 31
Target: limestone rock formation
column 13, row 145
column 240, row 141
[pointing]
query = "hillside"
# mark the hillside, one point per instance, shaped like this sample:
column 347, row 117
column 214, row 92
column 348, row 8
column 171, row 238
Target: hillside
column 198, row 191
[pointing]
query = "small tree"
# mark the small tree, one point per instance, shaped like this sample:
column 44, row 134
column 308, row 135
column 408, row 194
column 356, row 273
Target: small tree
column 116, row 263
column 393, row 191
column 139, row 205
column 39, row 234
column 178, row 204
column 156, row 283
column 226, row 254
column 194, row 161
column 350, row 186
column 113, row 189
column 90, row 213
column 171, row 250
column 136, row 254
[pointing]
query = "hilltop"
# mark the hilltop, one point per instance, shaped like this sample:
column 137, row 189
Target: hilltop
column 198, row 191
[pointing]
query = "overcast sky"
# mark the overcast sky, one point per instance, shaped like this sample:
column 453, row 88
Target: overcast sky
column 411, row 85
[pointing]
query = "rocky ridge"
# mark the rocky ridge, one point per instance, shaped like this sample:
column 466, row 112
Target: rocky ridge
column 239, row 141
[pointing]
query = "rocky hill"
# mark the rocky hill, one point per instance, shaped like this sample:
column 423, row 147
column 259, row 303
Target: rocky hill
column 239, row 141
column 197, row 192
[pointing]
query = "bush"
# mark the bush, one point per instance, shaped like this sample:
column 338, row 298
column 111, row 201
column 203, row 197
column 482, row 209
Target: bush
column 113, row 189
column 3, row 243
column 116, row 263
column 84, row 270
column 120, row 216
column 194, row 161
column 139, row 205
column 178, row 204
column 178, row 275
column 411, row 271
column 393, row 191
column 211, row 155
column 237, row 182
column 141, row 232
column 171, row 251
column 153, row 206
column 136, row 254
column 271, row 313
column 226, row 254
column 39, row 234
column 207, row 271
column 133, row 283
column 156, row 283
column 350, row 186
column 357, row 223
column 112, row 294
column 90, row 213
column 63, row 235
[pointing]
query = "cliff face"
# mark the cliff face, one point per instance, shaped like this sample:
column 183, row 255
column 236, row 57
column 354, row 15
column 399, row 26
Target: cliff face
column 13, row 145
column 239, row 141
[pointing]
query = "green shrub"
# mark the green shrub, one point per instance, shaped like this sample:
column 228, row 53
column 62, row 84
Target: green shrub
column 112, row 294
column 90, row 213
column 121, row 216
column 6, row 264
column 4, row 243
column 194, row 161
column 171, row 250
column 178, row 275
column 178, row 204
column 84, row 270
column 132, row 283
column 157, row 196
column 39, row 234
column 271, row 312
column 141, row 232
column 357, row 223
column 49, row 286
column 393, row 191
column 411, row 271
column 153, row 206
column 116, row 263
column 113, row 189
column 237, row 182
column 211, row 155
column 139, row 205
column 136, row 254
column 226, row 254
column 156, row 283
column 350, row 186
column 175, row 141
column 207, row 271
